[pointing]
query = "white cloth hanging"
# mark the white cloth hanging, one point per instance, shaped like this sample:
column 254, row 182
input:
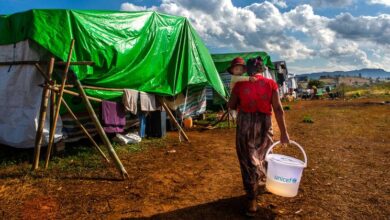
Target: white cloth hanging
column 130, row 100
column 148, row 102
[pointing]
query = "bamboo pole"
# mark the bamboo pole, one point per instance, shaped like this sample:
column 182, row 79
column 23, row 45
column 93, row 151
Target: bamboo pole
column 100, row 130
column 42, row 117
column 228, row 117
column 56, row 89
column 58, row 63
column 221, row 119
column 52, row 102
column 85, row 130
column 173, row 119
column 61, row 93
column 52, row 108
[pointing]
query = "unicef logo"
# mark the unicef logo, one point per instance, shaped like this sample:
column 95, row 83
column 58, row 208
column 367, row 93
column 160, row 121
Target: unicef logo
column 285, row 180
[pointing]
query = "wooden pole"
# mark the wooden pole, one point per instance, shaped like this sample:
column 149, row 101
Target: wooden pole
column 52, row 106
column 52, row 101
column 228, row 117
column 100, row 130
column 173, row 119
column 61, row 93
column 42, row 117
column 221, row 119
column 56, row 89
column 84, row 130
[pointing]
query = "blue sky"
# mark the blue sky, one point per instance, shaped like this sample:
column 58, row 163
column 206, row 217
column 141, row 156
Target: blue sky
column 317, row 35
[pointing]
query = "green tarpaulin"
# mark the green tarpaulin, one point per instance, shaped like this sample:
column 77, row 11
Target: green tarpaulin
column 222, row 61
column 147, row 51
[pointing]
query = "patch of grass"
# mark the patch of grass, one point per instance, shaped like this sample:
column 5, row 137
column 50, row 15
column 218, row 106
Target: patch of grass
column 77, row 159
column 286, row 107
column 308, row 119
column 14, row 156
column 372, row 91
column 225, row 124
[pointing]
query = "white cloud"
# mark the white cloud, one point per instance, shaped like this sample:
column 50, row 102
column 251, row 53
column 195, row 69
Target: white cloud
column 332, row 3
column 131, row 7
column 259, row 26
column 375, row 29
column 303, row 19
column 295, row 35
column 279, row 3
column 380, row 2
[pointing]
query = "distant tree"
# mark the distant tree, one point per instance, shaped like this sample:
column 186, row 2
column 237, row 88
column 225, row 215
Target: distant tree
column 316, row 83
column 341, row 89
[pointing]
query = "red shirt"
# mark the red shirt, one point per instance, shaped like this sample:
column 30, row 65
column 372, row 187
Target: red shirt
column 254, row 96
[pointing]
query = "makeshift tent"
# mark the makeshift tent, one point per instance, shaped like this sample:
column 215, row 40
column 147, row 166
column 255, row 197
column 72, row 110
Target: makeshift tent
column 222, row 61
column 292, row 81
column 146, row 51
column 20, row 98
column 281, row 73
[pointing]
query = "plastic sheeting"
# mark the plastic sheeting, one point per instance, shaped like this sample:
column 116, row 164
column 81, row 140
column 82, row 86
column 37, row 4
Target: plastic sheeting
column 20, row 98
column 146, row 51
column 222, row 61
column 292, row 83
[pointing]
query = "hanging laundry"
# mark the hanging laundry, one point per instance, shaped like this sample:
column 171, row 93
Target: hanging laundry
column 130, row 100
column 148, row 102
column 194, row 103
column 113, row 116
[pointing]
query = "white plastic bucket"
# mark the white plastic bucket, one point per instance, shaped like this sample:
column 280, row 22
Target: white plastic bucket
column 284, row 172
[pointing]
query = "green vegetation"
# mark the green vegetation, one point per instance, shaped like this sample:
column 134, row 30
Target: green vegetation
column 212, row 118
column 316, row 83
column 286, row 107
column 380, row 90
column 308, row 119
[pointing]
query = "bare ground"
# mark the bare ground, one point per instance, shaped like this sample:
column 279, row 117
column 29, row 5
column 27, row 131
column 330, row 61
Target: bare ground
column 348, row 147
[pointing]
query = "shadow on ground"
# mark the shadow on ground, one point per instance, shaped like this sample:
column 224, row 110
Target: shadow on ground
column 232, row 208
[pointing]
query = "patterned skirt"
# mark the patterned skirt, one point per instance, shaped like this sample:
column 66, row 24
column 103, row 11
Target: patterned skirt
column 253, row 138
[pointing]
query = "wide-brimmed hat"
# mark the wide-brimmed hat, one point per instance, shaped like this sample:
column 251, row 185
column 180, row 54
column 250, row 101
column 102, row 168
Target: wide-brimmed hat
column 235, row 62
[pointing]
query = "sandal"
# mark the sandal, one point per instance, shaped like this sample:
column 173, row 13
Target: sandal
column 252, row 212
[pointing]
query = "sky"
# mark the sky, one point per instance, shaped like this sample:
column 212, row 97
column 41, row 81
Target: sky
column 312, row 36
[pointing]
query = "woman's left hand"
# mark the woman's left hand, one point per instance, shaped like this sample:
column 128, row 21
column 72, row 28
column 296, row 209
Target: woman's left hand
column 284, row 139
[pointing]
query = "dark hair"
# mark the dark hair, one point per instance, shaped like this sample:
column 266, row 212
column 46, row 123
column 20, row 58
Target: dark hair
column 254, row 65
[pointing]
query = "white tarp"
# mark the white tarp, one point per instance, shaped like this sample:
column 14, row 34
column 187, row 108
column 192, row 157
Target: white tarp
column 268, row 75
column 20, row 98
column 292, row 83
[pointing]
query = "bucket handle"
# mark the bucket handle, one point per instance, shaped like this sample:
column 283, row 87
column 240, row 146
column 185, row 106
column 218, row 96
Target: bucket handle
column 291, row 142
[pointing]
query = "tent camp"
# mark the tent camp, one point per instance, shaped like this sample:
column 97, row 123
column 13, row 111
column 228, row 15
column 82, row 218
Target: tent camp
column 146, row 51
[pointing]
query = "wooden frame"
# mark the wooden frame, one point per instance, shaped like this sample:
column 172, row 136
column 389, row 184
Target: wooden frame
column 54, row 93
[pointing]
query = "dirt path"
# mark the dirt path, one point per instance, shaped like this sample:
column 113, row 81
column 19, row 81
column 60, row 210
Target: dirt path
column 347, row 145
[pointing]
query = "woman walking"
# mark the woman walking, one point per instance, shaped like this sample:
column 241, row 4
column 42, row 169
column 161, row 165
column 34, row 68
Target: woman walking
column 255, row 101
